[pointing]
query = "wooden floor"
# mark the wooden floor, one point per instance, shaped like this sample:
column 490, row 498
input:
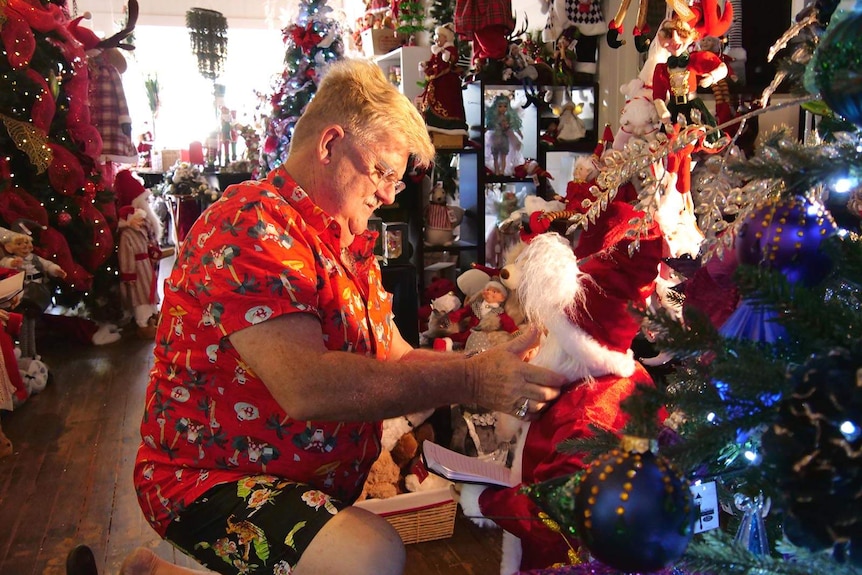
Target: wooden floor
column 69, row 479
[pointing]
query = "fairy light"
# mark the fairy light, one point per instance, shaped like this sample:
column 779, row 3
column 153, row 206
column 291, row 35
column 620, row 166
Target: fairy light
column 844, row 185
column 849, row 430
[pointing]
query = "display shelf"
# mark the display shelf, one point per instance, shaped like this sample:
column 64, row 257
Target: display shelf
column 406, row 59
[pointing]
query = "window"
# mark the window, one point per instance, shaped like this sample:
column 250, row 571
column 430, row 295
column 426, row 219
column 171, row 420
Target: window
column 187, row 111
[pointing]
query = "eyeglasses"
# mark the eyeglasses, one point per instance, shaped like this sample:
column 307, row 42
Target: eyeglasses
column 388, row 176
column 386, row 173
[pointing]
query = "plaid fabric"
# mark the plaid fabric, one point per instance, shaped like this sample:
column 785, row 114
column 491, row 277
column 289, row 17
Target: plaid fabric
column 109, row 111
column 474, row 15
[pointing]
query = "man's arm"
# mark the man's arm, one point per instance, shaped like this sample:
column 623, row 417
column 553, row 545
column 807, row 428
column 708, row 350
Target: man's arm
column 312, row 382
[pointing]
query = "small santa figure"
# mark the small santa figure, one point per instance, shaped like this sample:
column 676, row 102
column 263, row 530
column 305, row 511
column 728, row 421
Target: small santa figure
column 139, row 253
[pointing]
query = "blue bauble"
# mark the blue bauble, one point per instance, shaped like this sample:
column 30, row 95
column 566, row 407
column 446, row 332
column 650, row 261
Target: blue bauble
column 785, row 234
column 837, row 65
column 634, row 512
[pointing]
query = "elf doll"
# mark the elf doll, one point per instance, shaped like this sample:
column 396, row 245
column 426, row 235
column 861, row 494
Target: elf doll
column 675, row 82
column 585, row 16
column 37, row 295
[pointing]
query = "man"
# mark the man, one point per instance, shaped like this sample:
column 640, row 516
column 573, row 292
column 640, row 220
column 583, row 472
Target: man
column 277, row 356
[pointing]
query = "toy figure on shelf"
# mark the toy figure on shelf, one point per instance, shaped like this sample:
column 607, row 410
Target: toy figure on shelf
column 570, row 127
column 564, row 57
column 487, row 23
column 521, row 67
column 584, row 174
column 36, row 297
column 483, row 320
column 441, row 219
column 675, row 82
column 227, row 135
column 503, row 135
column 441, row 101
column 145, row 148
column 587, row 19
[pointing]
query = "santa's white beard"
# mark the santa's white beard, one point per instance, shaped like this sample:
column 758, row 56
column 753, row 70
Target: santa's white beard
column 154, row 224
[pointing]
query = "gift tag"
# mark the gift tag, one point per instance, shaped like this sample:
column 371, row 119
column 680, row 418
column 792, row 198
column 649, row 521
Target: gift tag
column 706, row 500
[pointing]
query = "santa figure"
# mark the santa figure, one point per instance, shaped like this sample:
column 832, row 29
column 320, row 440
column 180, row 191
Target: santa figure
column 581, row 300
column 441, row 100
column 139, row 253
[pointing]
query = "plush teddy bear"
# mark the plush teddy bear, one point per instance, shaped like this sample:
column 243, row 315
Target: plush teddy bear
column 441, row 219
column 383, row 478
column 401, row 441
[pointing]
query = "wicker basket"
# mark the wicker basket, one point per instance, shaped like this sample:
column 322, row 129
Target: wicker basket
column 418, row 517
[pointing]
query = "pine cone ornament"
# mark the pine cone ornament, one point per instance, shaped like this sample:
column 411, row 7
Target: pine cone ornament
column 813, row 450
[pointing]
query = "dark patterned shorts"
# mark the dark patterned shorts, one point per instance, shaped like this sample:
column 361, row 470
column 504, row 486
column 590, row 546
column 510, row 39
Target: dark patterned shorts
column 260, row 524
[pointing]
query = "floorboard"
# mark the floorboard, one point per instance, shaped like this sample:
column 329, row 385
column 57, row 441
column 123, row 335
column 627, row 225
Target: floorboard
column 69, row 479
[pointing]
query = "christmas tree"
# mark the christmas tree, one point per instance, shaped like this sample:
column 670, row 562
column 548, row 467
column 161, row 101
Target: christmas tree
column 312, row 43
column 50, row 180
column 764, row 387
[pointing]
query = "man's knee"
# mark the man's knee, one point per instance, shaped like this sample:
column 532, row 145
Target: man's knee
column 354, row 541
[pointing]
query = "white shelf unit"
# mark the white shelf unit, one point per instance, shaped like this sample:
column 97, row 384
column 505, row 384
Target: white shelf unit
column 408, row 58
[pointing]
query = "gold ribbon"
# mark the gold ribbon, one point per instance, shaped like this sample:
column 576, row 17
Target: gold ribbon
column 30, row 140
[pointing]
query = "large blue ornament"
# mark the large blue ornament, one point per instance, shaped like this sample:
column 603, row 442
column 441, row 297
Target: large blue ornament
column 633, row 511
column 837, row 65
column 785, row 234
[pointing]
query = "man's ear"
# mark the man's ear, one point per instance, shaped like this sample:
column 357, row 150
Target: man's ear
column 329, row 138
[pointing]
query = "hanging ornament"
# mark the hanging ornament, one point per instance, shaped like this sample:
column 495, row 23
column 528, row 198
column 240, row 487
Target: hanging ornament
column 837, row 64
column 633, row 511
column 208, row 35
column 64, row 219
column 785, row 234
column 813, row 450
column 751, row 533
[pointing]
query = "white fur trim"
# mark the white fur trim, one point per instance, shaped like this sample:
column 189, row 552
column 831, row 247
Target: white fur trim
column 513, row 551
column 469, row 501
column 393, row 430
column 570, row 351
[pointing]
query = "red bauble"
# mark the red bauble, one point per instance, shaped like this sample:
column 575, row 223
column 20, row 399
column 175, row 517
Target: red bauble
column 64, row 219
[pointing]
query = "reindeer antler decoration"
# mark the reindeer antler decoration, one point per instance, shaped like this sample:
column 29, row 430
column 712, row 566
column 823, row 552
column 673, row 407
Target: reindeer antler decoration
column 116, row 41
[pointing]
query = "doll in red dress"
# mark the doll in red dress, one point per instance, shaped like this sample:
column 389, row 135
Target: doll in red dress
column 441, row 100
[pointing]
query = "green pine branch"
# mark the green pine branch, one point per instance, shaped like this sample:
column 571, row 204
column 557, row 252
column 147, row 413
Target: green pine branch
column 716, row 552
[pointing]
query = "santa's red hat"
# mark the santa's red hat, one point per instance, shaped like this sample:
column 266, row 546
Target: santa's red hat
column 126, row 211
column 584, row 301
column 129, row 190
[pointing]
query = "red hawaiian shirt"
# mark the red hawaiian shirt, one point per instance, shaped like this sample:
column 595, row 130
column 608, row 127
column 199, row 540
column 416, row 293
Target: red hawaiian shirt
column 262, row 250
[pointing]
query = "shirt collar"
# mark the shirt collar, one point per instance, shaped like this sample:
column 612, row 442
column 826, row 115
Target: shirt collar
column 317, row 219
